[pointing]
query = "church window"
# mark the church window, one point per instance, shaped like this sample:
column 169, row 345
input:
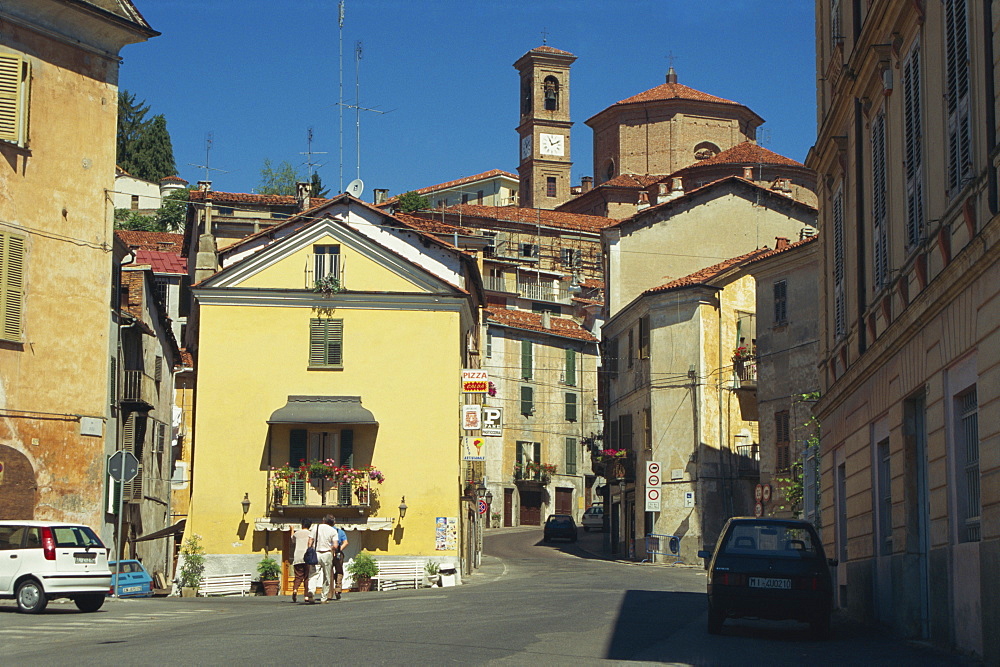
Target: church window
column 610, row 172
column 526, row 95
column 551, row 93
column 705, row 150
column 550, row 186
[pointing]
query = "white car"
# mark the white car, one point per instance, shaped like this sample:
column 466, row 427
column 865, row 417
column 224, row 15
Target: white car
column 593, row 518
column 43, row 560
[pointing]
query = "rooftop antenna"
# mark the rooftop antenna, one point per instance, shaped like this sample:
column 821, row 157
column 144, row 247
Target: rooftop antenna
column 209, row 140
column 310, row 152
column 358, row 50
column 340, row 20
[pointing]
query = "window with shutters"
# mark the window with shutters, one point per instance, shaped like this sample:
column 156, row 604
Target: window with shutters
column 611, row 356
column 527, row 359
column 631, row 347
column 326, row 262
column 570, row 407
column 957, row 97
column 489, row 345
column 11, row 285
column 326, row 343
column 571, row 449
column 570, row 256
column 625, row 431
column 839, row 294
column 647, row 429
column 613, row 434
column 782, row 449
column 966, row 456
column 913, row 164
column 158, row 369
column 644, row 337
column 527, row 400
column 550, row 186
column 569, row 370
column 780, row 290
column 15, row 79
column 880, row 234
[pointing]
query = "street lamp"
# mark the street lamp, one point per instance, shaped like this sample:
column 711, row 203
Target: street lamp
column 481, row 489
column 402, row 508
column 246, row 503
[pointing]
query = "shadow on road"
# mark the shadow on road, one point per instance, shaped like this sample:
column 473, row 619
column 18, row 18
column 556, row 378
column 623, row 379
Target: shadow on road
column 646, row 618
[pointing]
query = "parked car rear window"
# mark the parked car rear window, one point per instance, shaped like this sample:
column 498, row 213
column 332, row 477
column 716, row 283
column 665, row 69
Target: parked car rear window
column 76, row 536
column 10, row 537
column 763, row 539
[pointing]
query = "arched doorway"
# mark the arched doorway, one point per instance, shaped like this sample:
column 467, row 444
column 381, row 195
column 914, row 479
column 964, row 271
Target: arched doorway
column 17, row 484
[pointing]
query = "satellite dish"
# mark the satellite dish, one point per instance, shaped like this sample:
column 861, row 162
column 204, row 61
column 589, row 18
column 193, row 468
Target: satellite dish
column 355, row 188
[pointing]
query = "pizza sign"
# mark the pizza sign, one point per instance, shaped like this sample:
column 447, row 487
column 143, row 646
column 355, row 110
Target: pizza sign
column 475, row 381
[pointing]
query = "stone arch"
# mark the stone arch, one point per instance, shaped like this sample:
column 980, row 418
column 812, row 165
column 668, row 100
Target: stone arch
column 705, row 150
column 17, row 484
column 551, row 88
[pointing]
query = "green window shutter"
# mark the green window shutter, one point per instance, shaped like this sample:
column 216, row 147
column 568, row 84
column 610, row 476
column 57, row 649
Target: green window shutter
column 11, row 285
column 570, row 407
column 537, row 452
column 326, row 341
column 571, row 367
column 347, row 447
column 570, row 456
column 489, row 345
column 13, row 70
column 527, row 400
column 526, row 359
column 297, row 446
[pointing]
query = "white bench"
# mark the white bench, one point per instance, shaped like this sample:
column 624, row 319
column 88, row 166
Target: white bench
column 225, row 584
column 393, row 574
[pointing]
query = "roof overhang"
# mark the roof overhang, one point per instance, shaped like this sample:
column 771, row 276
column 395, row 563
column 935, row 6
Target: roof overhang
column 322, row 410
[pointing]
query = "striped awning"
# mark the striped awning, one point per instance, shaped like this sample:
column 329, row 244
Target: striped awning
column 269, row 524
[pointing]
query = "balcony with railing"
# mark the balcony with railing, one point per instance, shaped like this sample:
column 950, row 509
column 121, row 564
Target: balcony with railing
column 325, row 273
column 500, row 284
column 745, row 369
column 748, row 459
column 531, row 472
column 138, row 390
column 544, row 292
column 344, row 488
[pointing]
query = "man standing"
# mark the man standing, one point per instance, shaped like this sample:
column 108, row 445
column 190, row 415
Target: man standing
column 338, row 561
column 327, row 544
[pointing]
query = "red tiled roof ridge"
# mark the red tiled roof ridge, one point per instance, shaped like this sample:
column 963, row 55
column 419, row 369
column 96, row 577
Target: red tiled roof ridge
column 174, row 179
column 140, row 240
column 790, row 246
column 462, row 181
column 544, row 48
column 746, row 151
column 579, row 221
column 702, row 276
column 529, row 321
column 250, row 198
column 670, row 91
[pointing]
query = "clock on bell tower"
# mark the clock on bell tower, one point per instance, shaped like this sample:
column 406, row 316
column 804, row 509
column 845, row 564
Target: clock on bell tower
column 544, row 127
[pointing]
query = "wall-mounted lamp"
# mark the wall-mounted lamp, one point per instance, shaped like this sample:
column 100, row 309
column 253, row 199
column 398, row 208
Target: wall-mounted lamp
column 480, row 489
column 246, row 503
column 402, row 508
column 489, row 498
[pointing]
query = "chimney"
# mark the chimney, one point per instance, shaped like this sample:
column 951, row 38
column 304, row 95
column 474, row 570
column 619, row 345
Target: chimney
column 780, row 243
column 643, row 199
column 671, row 75
column 748, row 173
column 587, row 183
column 546, row 319
column 205, row 186
column 381, row 194
column 302, row 191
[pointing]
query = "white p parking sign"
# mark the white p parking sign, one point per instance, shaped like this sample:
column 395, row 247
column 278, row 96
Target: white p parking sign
column 492, row 421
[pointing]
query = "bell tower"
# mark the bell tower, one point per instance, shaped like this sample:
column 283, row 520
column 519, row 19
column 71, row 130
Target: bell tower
column 543, row 131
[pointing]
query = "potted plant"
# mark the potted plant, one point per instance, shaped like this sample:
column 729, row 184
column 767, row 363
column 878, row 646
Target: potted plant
column 362, row 568
column 431, row 570
column 328, row 285
column 270, row 572
column 192, row 567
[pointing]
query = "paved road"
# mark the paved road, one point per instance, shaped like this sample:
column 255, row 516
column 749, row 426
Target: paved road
column 531, row 603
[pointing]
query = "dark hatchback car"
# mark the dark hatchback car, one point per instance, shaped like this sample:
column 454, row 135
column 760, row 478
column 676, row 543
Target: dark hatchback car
column 771, row 569
column 559, row 525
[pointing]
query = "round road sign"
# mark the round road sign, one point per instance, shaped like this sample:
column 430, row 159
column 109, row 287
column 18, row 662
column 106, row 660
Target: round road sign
column 758, row 493
column 653, row 494
column 482, row 507
column 758, row 509
column 767, row 493
column 653, row 468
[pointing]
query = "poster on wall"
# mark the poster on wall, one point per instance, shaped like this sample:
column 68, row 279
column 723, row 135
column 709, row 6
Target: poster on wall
column 473, row 448
column 446, row 533
column 471, row 420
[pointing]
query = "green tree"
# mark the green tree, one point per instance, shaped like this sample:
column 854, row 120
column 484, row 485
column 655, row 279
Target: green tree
column 411, row 201
column 316, row 187
column 143, row 147
column 278, row 180
column 168, row 218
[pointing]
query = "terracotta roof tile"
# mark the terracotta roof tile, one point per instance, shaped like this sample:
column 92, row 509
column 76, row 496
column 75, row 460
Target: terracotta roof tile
column 746, row 152
column 247, row 198
column 162, row 262
column 161, row 241
column 522, row 319
column 637, row 181
column 187, row 360
column 703, row 276
column 574, row 221
column 462, row 181
column 670, row 91
column 430, row 226
column 172, row 179
column 592, row 283
column 790, row 246
column 549, row 49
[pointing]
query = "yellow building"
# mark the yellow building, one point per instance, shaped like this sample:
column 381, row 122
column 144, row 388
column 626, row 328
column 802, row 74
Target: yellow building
column 338, row 334
column 58, row 102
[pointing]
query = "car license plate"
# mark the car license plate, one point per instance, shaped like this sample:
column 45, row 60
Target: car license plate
column 131, row 589
column 769, row 582
column 85, row 559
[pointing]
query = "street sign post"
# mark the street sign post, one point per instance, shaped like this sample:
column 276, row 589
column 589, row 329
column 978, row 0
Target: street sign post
column 652, row 486
column 123, row 468
column 492, row 421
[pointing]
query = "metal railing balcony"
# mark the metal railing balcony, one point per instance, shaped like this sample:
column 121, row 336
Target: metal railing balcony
column 138, row 388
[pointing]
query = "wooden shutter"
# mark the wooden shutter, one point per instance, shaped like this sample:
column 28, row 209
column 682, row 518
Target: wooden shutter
column 570, row 407
column 913, row 148
column 957, row 93
column 347, row 447
column 11, row 285
column 782, row 458
column 326, row 338
column 527, row 400
column 526, row 359
column 839, row 296
column 780, row 301
column 297, row 442
column 644, row 337
column 571, row 367
column 880, row 241
column 14, row 73
column 571, row 456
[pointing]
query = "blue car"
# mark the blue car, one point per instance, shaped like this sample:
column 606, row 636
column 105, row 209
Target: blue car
column 135, row 581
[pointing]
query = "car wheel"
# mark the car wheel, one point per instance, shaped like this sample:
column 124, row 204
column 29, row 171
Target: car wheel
column 31, row 597
column 820, row 626
column 88, row 603
column 716, row 617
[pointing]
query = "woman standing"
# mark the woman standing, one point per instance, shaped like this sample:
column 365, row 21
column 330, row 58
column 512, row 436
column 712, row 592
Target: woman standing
column 302, row 539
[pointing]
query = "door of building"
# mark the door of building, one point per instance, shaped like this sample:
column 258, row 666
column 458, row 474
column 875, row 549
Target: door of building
column 564, row 501
column 508, row 507
column 531, row 508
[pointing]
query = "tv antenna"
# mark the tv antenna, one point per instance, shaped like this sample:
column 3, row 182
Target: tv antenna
column 340, row 100
column 309, row 152
column 358, row 51
column 209, row 140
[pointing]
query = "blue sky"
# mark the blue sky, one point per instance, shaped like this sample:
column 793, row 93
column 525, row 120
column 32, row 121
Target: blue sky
column 258, row 73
